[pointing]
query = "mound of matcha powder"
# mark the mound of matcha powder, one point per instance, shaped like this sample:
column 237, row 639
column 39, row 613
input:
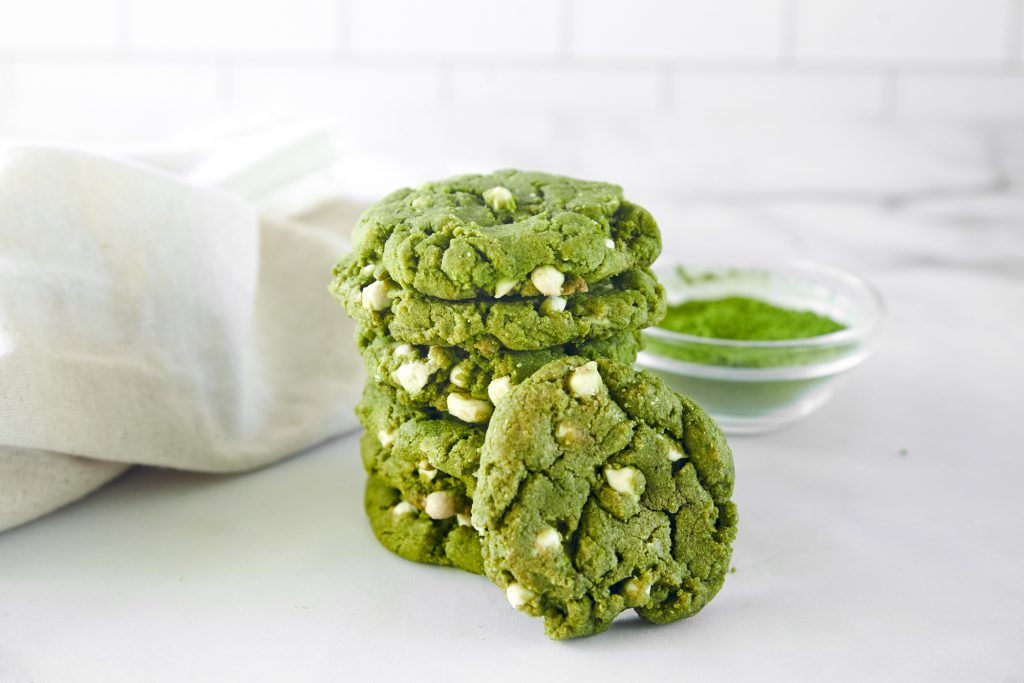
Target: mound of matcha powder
column 738, row 317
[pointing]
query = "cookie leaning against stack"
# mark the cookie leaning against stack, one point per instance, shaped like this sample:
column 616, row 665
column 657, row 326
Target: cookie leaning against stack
column 464, row 289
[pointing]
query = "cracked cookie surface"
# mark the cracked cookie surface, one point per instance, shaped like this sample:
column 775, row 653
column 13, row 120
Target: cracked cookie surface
column 630, row 301
column 477, row 236
column 601, row 490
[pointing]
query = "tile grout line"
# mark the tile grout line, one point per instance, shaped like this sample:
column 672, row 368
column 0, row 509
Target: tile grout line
column 566, row 12
column 1015, row 26
column 666, row 89
column 343, row 26
column 890, row 94
column 787, row 40
column 445, row 84
column 225, row 83
column 123, row 29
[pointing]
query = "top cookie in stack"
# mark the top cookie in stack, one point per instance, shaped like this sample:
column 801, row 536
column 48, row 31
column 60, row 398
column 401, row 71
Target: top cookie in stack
column 508, row 233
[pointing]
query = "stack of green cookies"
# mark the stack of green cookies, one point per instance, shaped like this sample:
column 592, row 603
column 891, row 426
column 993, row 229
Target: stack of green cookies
column 498, row 319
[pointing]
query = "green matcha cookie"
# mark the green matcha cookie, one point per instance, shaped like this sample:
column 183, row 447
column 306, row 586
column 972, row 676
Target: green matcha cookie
column 413, row 535
column 511, row 232
column 427, row 466
column 629, row 301
column 421, row 451
column 428, row 375
column 601, row 490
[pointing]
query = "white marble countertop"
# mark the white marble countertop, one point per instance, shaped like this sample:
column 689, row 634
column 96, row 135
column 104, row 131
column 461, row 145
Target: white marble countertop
column 882, row 538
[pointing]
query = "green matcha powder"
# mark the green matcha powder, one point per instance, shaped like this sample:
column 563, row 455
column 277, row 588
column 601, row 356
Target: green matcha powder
column 743, row 318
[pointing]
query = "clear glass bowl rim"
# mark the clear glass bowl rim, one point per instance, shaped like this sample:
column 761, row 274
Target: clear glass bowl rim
column 855, row 333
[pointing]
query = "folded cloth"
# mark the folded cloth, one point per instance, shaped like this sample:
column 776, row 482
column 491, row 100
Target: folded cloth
column 144, row 320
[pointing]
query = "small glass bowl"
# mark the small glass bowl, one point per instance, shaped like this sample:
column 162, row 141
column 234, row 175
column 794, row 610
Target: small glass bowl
column 758, row 386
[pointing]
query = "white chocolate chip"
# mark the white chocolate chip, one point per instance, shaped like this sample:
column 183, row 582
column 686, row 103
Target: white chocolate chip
column 585, row 380
column 674, row 452
column 633, row 589
column 413, row 375
column 421, row 202
column 439, row 505
column 403, row 508
column 463, row 519
column 459, row 377
column 553, row 304
column 499, row 198
column 622, row 480
column 469, row 409
column 548, row 280
column 503, row 287
column 547, row 540
column 375, row 296
column 498, row 388
column 426, row 470
column 404, row 350
column 386, row 438
column 518, row 594
column 368, row 269
column 610, row 243
column 566, row 432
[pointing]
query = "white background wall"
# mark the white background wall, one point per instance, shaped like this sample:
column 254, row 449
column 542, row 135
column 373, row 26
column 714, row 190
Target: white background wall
column 535, row 82
column 129, row 69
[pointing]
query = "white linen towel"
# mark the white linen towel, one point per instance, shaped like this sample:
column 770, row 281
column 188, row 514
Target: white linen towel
column 147, row 320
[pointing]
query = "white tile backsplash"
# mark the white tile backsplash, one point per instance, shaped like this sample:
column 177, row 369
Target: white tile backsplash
column 761, row 94
column 235, row 26
column 713, row 29
column 89, row 24
column 126, row 69
column 978, row 97
column 455, row 27
column 331, row 90
column 557, row 89
column 944, row 31
column 108, row 101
